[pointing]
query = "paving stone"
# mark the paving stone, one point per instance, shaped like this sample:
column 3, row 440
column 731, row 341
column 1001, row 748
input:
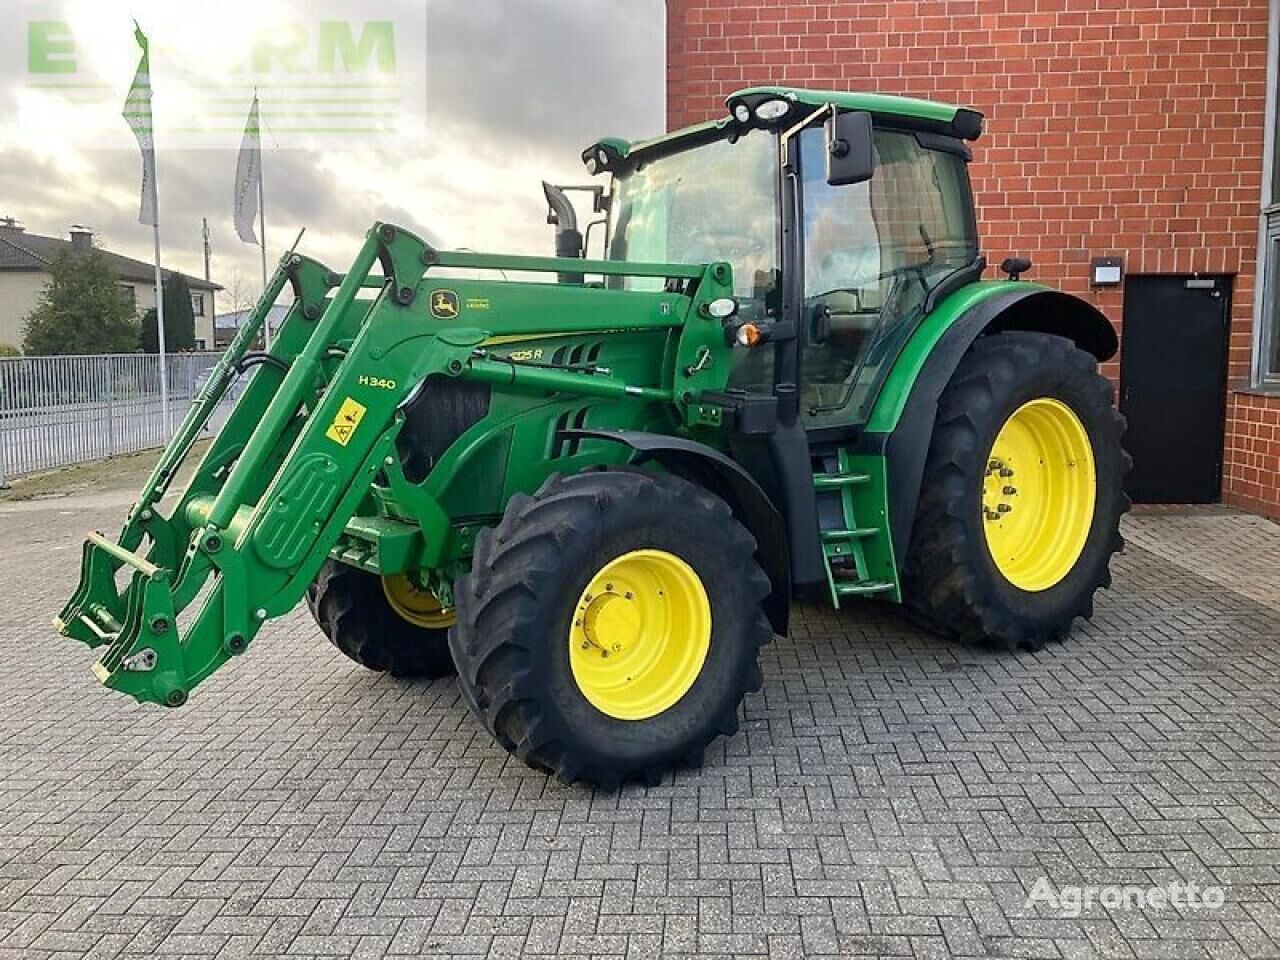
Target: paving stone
column 889, row 795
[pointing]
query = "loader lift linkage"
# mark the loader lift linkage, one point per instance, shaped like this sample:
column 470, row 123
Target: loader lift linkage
column 274, row 492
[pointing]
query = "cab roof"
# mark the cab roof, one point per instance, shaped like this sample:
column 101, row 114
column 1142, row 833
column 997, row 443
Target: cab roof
column 613, row 153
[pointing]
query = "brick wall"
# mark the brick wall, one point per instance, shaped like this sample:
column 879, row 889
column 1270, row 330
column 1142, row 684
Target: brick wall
column 1131, row 129
column 1252, row 461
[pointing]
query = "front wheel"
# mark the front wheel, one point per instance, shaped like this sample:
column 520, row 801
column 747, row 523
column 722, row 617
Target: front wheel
column 387, row 624
column 610, row 625
column 1020, row 507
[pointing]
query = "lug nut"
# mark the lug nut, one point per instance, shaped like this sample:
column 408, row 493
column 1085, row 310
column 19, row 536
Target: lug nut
column 1004, row 508
column 1010, row 491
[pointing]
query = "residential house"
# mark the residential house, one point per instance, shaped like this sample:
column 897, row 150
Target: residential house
column 24, row 272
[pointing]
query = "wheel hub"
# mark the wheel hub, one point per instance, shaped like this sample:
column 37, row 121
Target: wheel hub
column 611, row 622
column 418, row 606
column 1038, row 494
column 640, row 634
column 998, row 492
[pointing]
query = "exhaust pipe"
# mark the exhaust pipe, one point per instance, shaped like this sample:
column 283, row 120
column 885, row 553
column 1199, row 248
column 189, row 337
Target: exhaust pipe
column 562, row 216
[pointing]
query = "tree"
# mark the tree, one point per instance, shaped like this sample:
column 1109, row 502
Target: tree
column 179, row 319
column 240, row 294
column 82, row 310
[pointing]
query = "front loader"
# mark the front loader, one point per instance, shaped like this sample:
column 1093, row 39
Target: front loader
column 596, row 491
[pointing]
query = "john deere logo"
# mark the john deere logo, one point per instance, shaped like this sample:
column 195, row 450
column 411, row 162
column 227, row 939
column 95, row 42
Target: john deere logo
column 444, row 304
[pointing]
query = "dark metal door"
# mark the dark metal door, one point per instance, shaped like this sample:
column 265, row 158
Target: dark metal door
column 1173, row 371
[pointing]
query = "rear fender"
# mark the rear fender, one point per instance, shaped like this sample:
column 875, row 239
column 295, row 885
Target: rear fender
column 902, row 421
column 700, row 464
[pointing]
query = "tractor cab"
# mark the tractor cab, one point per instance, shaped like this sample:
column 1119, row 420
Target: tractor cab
column 845, row 217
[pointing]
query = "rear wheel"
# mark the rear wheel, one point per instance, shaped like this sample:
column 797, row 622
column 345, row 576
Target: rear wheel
column 383, row 623
column 1020, row 508
column 610, row 625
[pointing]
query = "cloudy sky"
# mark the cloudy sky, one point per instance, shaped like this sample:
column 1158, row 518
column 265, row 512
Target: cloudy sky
column 486, row 99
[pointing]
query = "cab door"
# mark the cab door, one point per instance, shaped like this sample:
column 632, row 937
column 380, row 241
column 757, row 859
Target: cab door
column 872, row 253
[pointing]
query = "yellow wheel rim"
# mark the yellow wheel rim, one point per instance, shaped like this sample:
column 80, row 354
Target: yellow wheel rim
column 420, row 607
column 1038, row 494
column 640, row 634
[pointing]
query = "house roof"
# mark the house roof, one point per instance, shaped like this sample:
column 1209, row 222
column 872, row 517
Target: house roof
column 22, row 251
column 236, row 318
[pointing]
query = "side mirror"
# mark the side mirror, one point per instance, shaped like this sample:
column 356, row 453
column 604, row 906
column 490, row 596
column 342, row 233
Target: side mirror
column 850, row 157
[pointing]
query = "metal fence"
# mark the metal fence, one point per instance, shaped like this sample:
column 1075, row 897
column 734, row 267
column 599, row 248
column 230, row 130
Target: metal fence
column 57, row 411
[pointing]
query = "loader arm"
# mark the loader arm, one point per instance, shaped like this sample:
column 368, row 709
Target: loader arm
column 315, row 428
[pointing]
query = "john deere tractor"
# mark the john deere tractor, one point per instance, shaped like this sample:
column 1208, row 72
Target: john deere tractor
column 595, row 488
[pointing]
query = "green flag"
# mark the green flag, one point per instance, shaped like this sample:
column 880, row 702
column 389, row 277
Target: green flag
column 137, row 111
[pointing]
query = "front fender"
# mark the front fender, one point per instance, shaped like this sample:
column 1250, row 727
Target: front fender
column 709, row 468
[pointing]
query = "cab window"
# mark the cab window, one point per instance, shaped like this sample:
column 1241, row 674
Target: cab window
column 872, row 254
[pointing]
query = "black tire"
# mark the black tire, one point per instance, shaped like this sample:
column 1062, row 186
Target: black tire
column 516, row 605
column 950, row 581
column 353, row 612
column 442, row 411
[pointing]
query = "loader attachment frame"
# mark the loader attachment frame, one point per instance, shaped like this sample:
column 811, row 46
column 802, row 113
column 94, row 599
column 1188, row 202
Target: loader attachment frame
column 313, row 430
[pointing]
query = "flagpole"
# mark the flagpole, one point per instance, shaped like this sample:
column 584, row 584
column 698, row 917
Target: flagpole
column 164, row 373
column 262, row 236
column 137, row 111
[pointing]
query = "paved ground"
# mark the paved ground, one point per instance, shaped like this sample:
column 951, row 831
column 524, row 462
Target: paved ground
column 889, row 794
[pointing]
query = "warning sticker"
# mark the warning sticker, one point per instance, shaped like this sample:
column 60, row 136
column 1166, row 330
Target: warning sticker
column 344, row 424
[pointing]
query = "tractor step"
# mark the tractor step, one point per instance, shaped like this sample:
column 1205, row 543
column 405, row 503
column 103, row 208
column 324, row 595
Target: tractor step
column 840, row 536
column 854, row 549
column 838, row 481
column 863, row 588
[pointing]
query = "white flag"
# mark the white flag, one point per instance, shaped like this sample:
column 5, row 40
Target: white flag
column 248, row 177
column 137, row 111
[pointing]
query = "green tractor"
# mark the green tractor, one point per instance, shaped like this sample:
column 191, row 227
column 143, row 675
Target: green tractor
column 597, row 498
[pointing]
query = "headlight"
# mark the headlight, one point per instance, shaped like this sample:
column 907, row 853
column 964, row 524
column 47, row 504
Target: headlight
column 722, row 308
column 771, row 110
column 593, row 166
column 742, row 113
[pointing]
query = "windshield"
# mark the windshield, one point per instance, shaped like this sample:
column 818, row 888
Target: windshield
column 716, row 202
